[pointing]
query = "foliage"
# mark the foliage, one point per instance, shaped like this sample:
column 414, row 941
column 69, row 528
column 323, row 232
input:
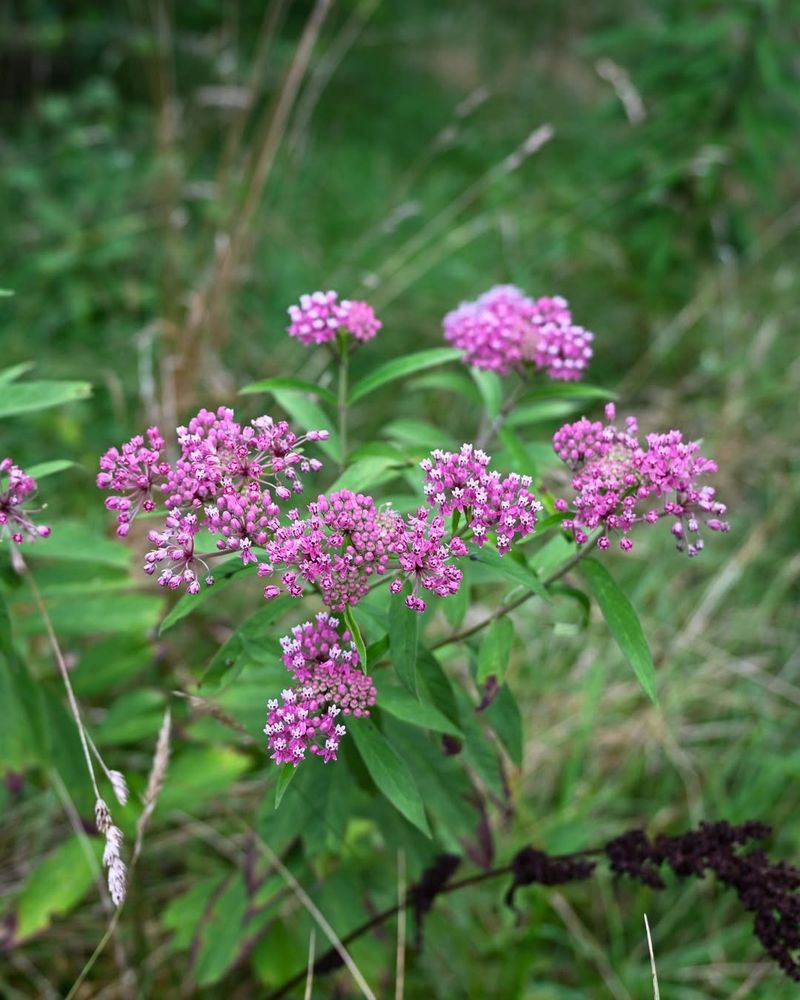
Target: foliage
column 674, row 240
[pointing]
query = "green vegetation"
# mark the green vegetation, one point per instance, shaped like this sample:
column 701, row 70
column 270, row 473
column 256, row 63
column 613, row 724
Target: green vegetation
column 157, row 229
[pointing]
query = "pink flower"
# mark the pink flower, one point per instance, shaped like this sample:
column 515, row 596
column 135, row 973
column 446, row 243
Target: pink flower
column 425, row 558
column 619, row 483
column 134, row 470
column 359, row 319
column 16, row 488
column 320, row 315
column 329, row 686
column 461, row 481
column 505, row 328
column 228, row 478
column 342, row 546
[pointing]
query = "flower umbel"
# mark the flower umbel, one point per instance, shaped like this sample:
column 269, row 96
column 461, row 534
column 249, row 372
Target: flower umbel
column 619, row 482
column 319, row 317
column 505, row 329
column 16, row 519
column 329, row 686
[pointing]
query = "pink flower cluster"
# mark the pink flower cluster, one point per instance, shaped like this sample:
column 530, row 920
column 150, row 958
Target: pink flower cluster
column 618, row 483
column 505, row 328
column 228, row 479
column 424, row 558
column 461, row 481
column 340, row 548
column 319, row 317
column 328, row 685
column 16, row 520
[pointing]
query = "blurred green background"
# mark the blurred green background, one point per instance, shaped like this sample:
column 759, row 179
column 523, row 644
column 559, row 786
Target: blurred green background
column 166, row 194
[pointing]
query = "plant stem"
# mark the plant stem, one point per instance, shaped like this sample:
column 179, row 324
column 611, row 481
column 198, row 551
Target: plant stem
column 562, row 570
column 487, row 435
column 342, row 402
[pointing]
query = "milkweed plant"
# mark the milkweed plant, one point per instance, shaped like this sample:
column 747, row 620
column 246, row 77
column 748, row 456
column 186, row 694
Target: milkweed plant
column 386, row 552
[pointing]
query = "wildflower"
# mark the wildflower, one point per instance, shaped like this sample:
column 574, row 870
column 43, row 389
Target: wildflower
column 308, row 717
column 461, row 481
column 340, row 548
column 133, row 470
column 17, row 487
column 619, row 483
column 359, row 319
column 320, row 315
column 505, row 328
column 425, row 558
column 229, row 478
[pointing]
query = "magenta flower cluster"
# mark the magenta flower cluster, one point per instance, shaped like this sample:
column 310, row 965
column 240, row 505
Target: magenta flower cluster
column 346, row 544
column 17, row 488
column 462, row 481
column 228, row 479
column 620, row 482
column 328, row 685
column 505, row 329
column 319, row 317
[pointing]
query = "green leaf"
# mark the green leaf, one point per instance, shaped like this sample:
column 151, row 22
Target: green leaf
column 435, row 686
column 491, row 388
column 389, row 772
column 568, row 390
column 293, row 385
column 242, row 646
column 402, row 705
column 456, row 605
column 101, row 613
column 56, row 885
column 309, row 417
column 403, row 639
column 355, row 631
column 13, row 373
column 22, row 733
column 452, row 381
column 510, row 569
column 75, row 541
column 505, row 718
column 49, row 468
column 536, row 413
column 623, row 623
column 520, row 457
column 200, row 774
column 419, row 434
column 221, row 933
column 495, row 650
column 22, row 397
column 400, row 367
column 285, row 775
column 365, row 473
column 224, row 576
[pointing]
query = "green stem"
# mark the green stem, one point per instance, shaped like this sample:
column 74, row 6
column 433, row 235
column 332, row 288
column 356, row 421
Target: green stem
column 487, row 435
column 342, row 401
column 562, row 570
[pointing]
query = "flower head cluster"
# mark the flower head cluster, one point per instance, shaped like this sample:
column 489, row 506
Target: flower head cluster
column 462, row 481
column 341, row 548
column 424, row 558
column 329, row 686
column 319, row 316
column 228, row 479
column 619, row 482
column 16, row 519
column 505, row 328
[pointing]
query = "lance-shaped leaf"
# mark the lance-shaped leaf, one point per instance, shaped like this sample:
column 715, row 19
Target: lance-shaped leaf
column 401, row 367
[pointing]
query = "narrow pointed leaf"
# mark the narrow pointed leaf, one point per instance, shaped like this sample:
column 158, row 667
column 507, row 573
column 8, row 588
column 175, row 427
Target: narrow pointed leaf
column 401, row 367
column 389, row 772
column 623, row 623
column 293, row 384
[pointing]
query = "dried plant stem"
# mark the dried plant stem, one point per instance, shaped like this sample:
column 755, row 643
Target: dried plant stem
column 656, row 994
column 62, row 667
column 400, row 963
column 312, row 938
column 315, row 912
